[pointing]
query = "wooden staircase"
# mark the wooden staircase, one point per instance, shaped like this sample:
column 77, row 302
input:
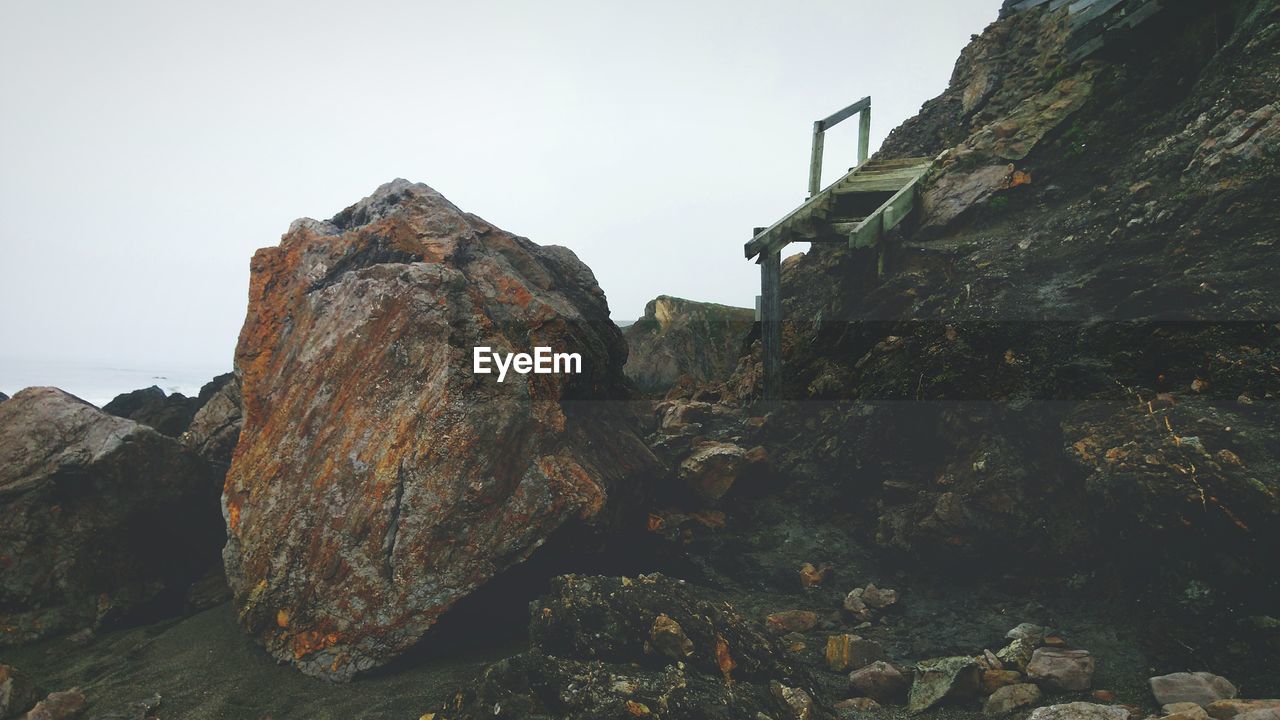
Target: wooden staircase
column 858, row 209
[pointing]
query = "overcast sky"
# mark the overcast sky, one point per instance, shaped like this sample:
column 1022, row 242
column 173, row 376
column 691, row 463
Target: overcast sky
column 148, row 148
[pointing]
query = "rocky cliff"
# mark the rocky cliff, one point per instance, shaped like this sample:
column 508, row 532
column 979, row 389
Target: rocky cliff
column 378, row 480
column 679, row 339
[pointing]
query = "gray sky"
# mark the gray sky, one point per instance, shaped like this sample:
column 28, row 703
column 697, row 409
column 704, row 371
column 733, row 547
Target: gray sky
column 148, row 148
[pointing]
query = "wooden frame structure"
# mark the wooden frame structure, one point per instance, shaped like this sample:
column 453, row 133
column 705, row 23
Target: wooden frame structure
column 859, row 209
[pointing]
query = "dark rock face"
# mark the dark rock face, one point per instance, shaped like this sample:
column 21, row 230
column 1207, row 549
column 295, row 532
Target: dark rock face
column 3, row 397
column 378, row 480
column 170, row 415
column 680, row 338
column 592, row 656
column 215, row 429
column 103, row 517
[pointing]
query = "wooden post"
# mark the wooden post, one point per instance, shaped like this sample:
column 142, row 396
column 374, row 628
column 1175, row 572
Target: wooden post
column 771, row 321
column 815, row 160
column 864, row 133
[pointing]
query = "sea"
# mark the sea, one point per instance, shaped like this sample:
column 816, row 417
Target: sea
column 99, row 382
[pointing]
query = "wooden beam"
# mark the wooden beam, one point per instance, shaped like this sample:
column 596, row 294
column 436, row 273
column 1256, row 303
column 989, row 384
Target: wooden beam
column 885, row 218
column 864, row 132
column 829, row 121
column 771, row 322
column 815, row 160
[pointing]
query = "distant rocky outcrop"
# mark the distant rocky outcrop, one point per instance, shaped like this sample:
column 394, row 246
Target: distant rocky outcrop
column 3, row 397
column 104, row 518
column 378, row 479
column 680, row 338
column 169, row 414
column 215, row 429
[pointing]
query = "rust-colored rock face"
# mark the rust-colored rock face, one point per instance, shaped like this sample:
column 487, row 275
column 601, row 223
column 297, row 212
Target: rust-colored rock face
column 378, row 480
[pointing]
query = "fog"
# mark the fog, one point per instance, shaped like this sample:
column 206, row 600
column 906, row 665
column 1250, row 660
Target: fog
column 148, row 148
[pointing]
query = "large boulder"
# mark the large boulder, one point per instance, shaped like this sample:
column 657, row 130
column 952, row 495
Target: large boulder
column 680, row 338
column 103, row 517
column 1201, row 688
column 379, row 479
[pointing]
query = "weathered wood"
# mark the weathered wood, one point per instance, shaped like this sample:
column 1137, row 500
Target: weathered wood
column 771, row 322
column 831, row 120
column 869, row 232
column 864, row 131
column 815, row 160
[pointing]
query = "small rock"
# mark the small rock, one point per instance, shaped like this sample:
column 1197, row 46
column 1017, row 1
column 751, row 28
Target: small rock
column 851, row 652
column 811, row 576
column 1184, row 711
column 64, row 705
column 1080, row 711
column 1017, row 654
column 1201, row 688
column 669, row 639
column 879, row 681
column 993, row 680
column 796, row 700
column 1057, row 669
column 792, row 621
column 17, row 692
column 943, row 679
column 713, row 468
column 856, row 606
column 1027, row 631
column 1260, row 714
column 859, row 703
column 878, row 599
column 1103, row 695
column 1229, row 709
column 990, row 661
column 1011, row 697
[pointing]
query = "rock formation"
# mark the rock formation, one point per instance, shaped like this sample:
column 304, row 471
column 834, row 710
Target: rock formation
column 169, row 414
column 103, row 517
column 215, row 429
column 378, row 480
column 680, row 338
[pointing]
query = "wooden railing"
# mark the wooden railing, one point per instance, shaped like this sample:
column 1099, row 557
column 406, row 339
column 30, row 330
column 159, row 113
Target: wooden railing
column 863, row 109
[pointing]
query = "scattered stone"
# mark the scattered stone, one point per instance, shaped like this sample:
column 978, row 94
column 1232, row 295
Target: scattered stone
column 989, row 661
column 1260, row 714
column 1103, row 695
column 792, row 621
column 668, row 638
column 1230, row 708
column 1058, row 669
column 880, row 681
column 851, row 652
column 17, row 692
column 65, row 705
column 943, row 680
column 1201, row 688
column 993, row 680
column 856, row 606
column 1080, row 711
column 1011, row 697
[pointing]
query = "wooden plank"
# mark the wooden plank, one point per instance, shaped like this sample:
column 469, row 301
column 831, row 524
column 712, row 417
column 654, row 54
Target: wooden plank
column 771, row 322
column 829, row 121
column 861, row 185
column 899, row 206
column 868, row 232
column 815, row 160
column 864, row 132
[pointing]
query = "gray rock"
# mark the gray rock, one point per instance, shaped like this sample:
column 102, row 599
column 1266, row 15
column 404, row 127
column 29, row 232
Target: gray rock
column 1200, row 688
column 103, row 516
column 942, row 680
column 879, row 681
column 215, row 429
column 1011, row 697
column 1027, row 631
column 1057, row 669
column 17, row 692
column 1080, row 711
